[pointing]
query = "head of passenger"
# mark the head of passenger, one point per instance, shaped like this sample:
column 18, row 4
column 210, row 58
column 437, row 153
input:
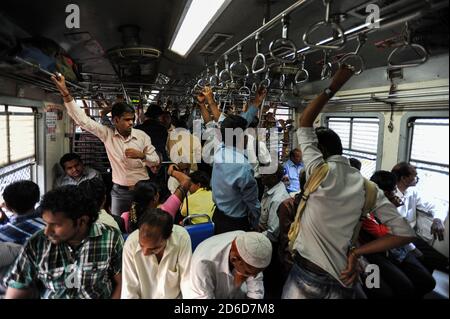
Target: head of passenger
column 72, row 165
column 96, row 190
column 21, row 197
column 355, row 163
column 68, row 215
column 154, row 111
column 123, row 116
column 232, row 130
column 145, row 196
column 250, row 254
column 155, row 229
column 329, row 142
column 271, row 180
column 406, row 175
column 386, row 181
column 296, row 156
column 166, row 119
column 254, row 123
column 199, row 180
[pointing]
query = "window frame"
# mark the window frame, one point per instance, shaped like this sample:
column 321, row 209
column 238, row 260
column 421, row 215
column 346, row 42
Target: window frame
column 6, row 113
column 379, row 161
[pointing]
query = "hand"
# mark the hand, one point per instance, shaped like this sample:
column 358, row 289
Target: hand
column 260, row 96
column 208, row 93
column 172, row 168
column 134, row 154
column 351, row 273
column 437, row 229
column 261, row 228
column 201, row 98
column 341, row 77
column 60, row 83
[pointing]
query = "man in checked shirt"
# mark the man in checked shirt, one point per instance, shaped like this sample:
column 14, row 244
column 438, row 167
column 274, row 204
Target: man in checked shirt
column 73, row 257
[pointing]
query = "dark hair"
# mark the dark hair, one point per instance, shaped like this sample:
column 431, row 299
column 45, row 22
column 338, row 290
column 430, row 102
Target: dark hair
column 233, row 122
column 154, row 111
column 144, row 193
column 385, row 180
column 402, row 169
column 202, row 178
column 69, row 157
column 355, row 163
column 159, row 219
column 119, row 109
column 71, row 202
column 292, row 153
column 21, row 196
column 254, row 123
column 95, row 189
column 329, row 142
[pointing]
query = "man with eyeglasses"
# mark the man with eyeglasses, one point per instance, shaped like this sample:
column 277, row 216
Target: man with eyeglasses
column 407, row 179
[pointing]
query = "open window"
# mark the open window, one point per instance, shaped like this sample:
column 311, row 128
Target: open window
column 360, row 139
column 429, row 152
column 17, row 144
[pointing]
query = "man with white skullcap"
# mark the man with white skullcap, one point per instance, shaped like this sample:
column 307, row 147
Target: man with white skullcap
column 230, row 266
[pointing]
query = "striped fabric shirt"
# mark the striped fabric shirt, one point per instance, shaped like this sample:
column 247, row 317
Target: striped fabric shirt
column 65, row 273
column 20, row 228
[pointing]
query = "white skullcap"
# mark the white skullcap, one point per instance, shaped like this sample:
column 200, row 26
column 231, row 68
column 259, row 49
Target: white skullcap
column 255, row 249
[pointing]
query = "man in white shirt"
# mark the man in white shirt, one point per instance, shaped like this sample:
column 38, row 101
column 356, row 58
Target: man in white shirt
column 407, row 179
column 269, row 225
column 325, row 264
column 229, row 266
column 156, row 259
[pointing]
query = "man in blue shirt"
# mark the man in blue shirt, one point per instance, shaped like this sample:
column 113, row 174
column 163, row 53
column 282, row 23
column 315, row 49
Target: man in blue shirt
column 20, row 198
column 292, row 170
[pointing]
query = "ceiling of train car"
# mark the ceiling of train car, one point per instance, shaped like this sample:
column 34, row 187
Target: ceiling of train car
column 158, row 19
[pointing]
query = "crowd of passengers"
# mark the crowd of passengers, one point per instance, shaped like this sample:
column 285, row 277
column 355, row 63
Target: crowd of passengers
column 304, row 230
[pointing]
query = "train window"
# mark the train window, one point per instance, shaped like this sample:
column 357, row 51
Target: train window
column 17, row 144
column 429, row 152
column 360, row 138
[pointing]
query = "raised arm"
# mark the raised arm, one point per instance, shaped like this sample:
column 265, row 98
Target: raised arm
column 183, row 179
column 314, row 108
column 76, row 113
column 202, row 104
column 208, row 93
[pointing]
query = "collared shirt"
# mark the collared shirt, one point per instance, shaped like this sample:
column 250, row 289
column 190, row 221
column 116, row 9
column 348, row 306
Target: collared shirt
column 413, row 202
column 107, row 219
column 293, row 172
column 65, row 273
column 200, row 203
column 211, row 277
column 21, row 227
column 144, row 278
column 125, row 171
column 234, row 187
column 334, row 209
column 270, row 203
column 88, row 173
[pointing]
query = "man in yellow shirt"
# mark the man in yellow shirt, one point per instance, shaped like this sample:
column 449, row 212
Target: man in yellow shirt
column 200, row 200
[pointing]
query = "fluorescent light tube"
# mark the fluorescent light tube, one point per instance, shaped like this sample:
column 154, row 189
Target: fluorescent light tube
column 197, row 18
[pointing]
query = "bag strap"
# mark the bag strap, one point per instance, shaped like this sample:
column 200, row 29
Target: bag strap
column 371, row 193
column 311, row 186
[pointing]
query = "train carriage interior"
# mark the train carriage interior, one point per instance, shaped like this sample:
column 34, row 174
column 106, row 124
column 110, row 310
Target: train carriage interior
column 161, row 54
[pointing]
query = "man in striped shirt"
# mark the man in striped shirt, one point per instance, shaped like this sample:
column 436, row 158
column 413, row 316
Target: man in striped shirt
column 73, row 258
column 20, row 198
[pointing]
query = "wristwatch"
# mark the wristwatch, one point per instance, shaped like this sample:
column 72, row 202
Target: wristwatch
column 328, row 92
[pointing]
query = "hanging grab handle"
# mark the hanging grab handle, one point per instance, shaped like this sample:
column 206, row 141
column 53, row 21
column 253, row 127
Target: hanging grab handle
column 302, row 75
column 235, row 66
column 338, row 33
column 417, row 48
column 225, row 76
column 259, row 58
column 327, row 70
column 355, row 56
column 287, row 47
